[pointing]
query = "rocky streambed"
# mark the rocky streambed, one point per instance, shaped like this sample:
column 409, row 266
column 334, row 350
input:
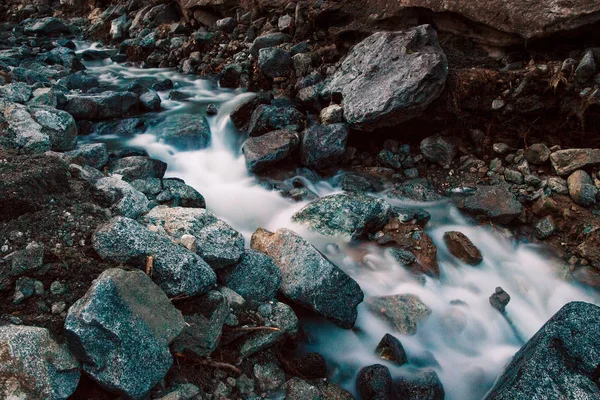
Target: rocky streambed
column 223, row 200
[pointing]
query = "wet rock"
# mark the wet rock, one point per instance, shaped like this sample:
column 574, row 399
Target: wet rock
column 421, row 385
column 105, row 105
column 203, row 325
column 124, row 199
column 537, row 154
column 545, row 228
column 177, row 194
column 176, row 270
column 29, row 259
column 582, row 189
column 494, row 202
column 324, row 145
column 243, row 112
column 438, row 149
column 351, row 215
column 163, row 85
column 415, row 189
column 269, row 118
column 567, row 161
column 374, row 382
column 298, row 389
column 35, row 366
column 402, row 312
column 218, row 243
column 93, row 154
column 177, row 95
column 150, row 101
column 95, row 55
column 356, row 183
column 269, row 149
column 269, row 377
column 138, row 167
column 586, row 68
column 411, row 215
column 390, row 349
column 461, row 247
column 334, row 295
column 559, row 362
column 256, row 277
column 332, row 391
column 268, row 40
column 48, row 26
column 121, row 330
column 499, row 299
column 378, row 81
column 274, row 62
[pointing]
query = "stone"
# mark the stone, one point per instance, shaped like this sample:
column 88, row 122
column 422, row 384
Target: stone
column 461, row 247
column 438, row 149
column 415, row 189
column 269, row 149
column 512, row 176
column 374, row 382
column 302, row 63
column 226, row 24
column 332, row 114
column 269, row 377
column 324, row 145
column 93, row 154
column 59, row 125
column 218, row 243
column 185, row 132
column 567, row 161
column 558, row 185
column 499, row 299
column 16, row 92
column 163, row 85
column 177, row 194
column 356, row 183
column 255, row 278
column 29, row 259
column 298, row 389
column 586, row 68
column 231, row 76
column 285, row 23
column 349, row 215
column 334, row 295
column 161, row 14
column 411, row 215
column 138, row 167
column 124, row 199
column 391, row 349
column 48, row 26
column 121, row 330
column 419, row 385
column 537, row 154
column 545, row 227
column 182, row 391
column 559, row 362
column 266, row 118
column 150, row 101
column 80, row 81
column 101, row 106
column 310, row 366
column 274, row 62
column 20, row 130
column 176, row 270
column 26, row 288
column 117, row 27
column 390, row 77
column 496, row 202
column 332, row 391
column 582, row 189
column 268, row 40
column 34, row 365
column 402, row 312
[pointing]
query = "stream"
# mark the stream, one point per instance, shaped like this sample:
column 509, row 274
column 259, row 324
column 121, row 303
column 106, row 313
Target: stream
column 465, row 340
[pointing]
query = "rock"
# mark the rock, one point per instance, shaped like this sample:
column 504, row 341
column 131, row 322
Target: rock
column 26, row 288
column 268, row 40
column 512, row 176
column 461, row 247
column 438, row 149
column 350, row 215
column 95, row 55
column 334, row 295
column 411, row 215
column 545, row 227
column 58, row 125
column 267, row 118
column 582, row 189
column 356, row 183
column 226, row 24
column 332, row 114
column 48, row 26
column 567, row 161
column 203, row 325
column 150, row 101
column 390, row 349
column 93, row 154
column 267, row 150
column 177, row 194
column 421, row 385
column 34, row 365
column 138, row 167
column 537, row 154
column 218, row 243
column 332, row 391
column 182, row 391
column 256, row 277
column 185, row 132
column 161, row 14
column 269, row 377
column 274, row 62
column 285, row 23
column 20, row 130
column 176, row 270
column 29, row 259
column 374, row 382
column 105, row 105
column 310, row 366
column 117, row 27
column 163, row 85
column 390, row 77
column 80, row 81
column 558, row 185
column 415, row 189
column 231, row 76
column 494, row 202
column 324, row 145
column 298, row 389
column 402, row 312
column 16, row 92
column 124, row 199
column 121, row 330
column 62, row 56
column 586, row 68
column 558, row 362
column 499, row 299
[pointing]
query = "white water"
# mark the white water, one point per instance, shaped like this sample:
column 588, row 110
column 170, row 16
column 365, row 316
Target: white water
column 471, row 342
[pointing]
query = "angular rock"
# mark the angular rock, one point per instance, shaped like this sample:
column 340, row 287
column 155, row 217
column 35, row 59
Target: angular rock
column 374, row 382
column 274, row 62
column 175, row 269
column 332, row 114
column 582, row 189
column 20, row 130
column 46, row 26
column 402, row 312
column 124, row 199
column 31, row 258
column 567, row 161
column 255, row 278
column 390, row 77
column 499, row 299
column 537, row 154
column 334, row 295
column 138, row 167
column 461, row 247
column 185, row 132
column 545, row 227
column 121, row 330
column 58, row 125
column 586, row 68
column 269, row 377
column 177, row 194
column 267, row 150
column 231, row 76
column 494, row 202
column 150, row 101
column 324, row 145
column 420, row 385
column 105, row 105
column 268, row 40
column 438, row 149
column 16, row 92
column 93, row 154
column 267, row 118
column 391, row 349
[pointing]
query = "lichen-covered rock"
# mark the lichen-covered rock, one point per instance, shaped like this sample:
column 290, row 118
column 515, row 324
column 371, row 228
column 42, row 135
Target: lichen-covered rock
column 124, row 199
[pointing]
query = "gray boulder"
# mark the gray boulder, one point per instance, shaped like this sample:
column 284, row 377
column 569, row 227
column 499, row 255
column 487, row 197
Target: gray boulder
column 125, row 200
column 16, row 92
column 267, row 118
column 20, row 130
column 274, row 62
column 567, row 161
column 218, row 243
column 46, row 26
column 138, row 167
column 390, row 77
column 559, row 362
column 268, row 40
column 351, row 215
column 582, row 189
column 59, row 125
column 185, row 132
column 34, row 365
column 105, row 105
column 62, row 56
column 438, row 149
column 496, row 202
column 334, row 295
column 177, row 193
column 177, row 270
column 150, row 101
column 121, row 330
column 374, row 382
column 92, row 154
column 267, row 150
column 324, row 145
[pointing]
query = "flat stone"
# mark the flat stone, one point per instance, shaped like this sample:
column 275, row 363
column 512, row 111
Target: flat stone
column 565, row 162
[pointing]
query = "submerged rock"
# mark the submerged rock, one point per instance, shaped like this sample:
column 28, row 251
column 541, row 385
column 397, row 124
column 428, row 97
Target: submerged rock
column 334, row 295
column 264, row 151
column 402, row 312
column 461, row 247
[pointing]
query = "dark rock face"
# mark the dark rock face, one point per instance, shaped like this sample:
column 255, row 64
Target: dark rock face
column 438, row 150
column 422, row 385
column 461, row 247
column 267, row 150
column 390, row 348
column 121, row 331
column 105, row 105
column 390, row 77
column 494, row 202
column 256, row 277
column 324, row 145
column 269, row 118
column 351, row 215
column 374, row 382
column 334, row 295
column 559, row 362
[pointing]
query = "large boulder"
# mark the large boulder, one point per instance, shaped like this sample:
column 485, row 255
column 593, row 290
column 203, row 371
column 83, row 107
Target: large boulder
column 324, row 145
column 58, row 125
column 121, row 330
column 267, row 150
column 34, row 365
column 185, row 132
column 105, row 105
column 310, row 279
column 390, row 77
column 495, row 202
column 178, row 271
column 559, row 362
column 351, row 215
column 48, row 26
column 567, row 161
column 125, row 200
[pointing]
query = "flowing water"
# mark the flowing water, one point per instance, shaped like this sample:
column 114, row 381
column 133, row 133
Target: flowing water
column 465, row 340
